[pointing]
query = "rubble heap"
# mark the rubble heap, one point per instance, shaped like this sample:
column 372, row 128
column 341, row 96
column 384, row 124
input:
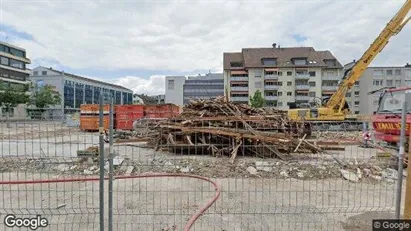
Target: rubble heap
column 218, row 127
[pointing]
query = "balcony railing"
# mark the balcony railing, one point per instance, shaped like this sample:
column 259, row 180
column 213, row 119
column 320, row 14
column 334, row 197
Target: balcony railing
column 302, row 87
column 302, row 76
column 329, row 88
column 330, row 77
column 270, row 76
column 242, row 78
column 239, row 98
column 271, row 97
column 239, row 88
column 271, row 87
column 302, row 97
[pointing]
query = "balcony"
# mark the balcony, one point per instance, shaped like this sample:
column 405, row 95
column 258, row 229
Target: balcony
column 239, row 98
column 271, row 87
column 239, row 89
column 330, row 77
column 329, row 88
column 271, row 97
column 303, row 97
column 242, row 78
column 270, row 76
column 302, row 76
column 302, row 87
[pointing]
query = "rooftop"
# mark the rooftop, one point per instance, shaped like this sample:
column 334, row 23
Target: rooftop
column 13, row 46
column 85, row 78
column 252, row 57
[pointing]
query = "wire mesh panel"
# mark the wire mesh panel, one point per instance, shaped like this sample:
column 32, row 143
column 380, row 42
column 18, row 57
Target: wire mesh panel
column 211, row 165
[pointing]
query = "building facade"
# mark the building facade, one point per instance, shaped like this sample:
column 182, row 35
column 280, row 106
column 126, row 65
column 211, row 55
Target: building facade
column 209, row 86
column 76, row 90
column 13, row 73
column 375, row 78
column 174, row 89
column 283, row 75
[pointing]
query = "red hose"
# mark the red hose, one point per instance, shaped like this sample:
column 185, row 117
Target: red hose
column 189, row 224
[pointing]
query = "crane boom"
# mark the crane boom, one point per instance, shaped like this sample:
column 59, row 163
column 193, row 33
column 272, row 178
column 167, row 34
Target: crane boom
column 337, row 100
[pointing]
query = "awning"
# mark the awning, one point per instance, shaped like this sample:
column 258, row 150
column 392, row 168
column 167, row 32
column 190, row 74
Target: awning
column 271, row 69
column 239, row 72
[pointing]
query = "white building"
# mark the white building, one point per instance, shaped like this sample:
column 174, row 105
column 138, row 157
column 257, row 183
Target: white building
column 174, row 90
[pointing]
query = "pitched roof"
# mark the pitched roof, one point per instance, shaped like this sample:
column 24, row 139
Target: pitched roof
column 87, row 79
column 252, row 57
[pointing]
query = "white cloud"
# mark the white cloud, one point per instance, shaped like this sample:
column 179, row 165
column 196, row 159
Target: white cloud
column 151, row 86
column 190, row 35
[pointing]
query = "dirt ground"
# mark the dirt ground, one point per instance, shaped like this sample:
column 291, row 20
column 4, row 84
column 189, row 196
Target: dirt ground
column 306, row 192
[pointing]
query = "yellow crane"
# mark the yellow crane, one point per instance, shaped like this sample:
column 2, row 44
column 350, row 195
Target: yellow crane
column 335, row 108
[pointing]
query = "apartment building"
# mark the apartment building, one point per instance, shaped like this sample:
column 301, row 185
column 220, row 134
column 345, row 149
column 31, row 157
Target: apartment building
column 283, row 74
column 13, row 73
column 375, row 78
column 76, row 90
column 180, row 89
column 209, row 86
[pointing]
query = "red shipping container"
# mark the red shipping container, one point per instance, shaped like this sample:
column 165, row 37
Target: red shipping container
column 127, row 114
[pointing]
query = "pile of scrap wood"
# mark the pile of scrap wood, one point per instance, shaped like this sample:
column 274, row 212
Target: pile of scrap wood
column 218, row 127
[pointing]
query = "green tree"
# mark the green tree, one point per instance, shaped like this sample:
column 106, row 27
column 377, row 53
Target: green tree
column 257, row 100
column 44, row 97
column 12, row 95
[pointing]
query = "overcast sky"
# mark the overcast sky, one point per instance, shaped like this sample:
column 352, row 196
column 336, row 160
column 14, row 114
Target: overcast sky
column 135, row 43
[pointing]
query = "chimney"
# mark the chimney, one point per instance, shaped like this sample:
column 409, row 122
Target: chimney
column 274, row 45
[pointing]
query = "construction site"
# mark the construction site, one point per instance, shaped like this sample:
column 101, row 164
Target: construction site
column 214, row 164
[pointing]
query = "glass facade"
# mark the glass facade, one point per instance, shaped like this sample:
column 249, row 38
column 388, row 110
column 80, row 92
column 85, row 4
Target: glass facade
column 203, row 89
column 76, row 94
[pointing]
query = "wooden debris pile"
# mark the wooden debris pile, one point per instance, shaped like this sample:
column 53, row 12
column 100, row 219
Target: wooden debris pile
column 218, row 127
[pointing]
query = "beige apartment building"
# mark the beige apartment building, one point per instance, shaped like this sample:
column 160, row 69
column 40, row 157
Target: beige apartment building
column 283, row 74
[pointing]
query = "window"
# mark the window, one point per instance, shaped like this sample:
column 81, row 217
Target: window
column 378, row 72
column 258, row 73
column 280, row 93
column 236, row 64
column 312, row 84
column 301, row 73
column 4, row 48
column 280, row 83
column 40, row 83
column 312, row 73
column 397, row 72
column 4, row 61
column 289, row 73
column 357, row 83
column 280, row 73
column 389, row 82
column 17, row 52
column 331, row 73
column 16, row 64
column 44, row 73
column 357, row 93
column 398, row 82
column 330, row 62
column 289, row 93
column 407, row 72
column 357, row 112
column 171, row 84
column 389, row 73
column 258, row 84
column 377, row 82
column 311, row 94
column 269, row 62
column 279, row 104
column 348, row 94
column 289, row 83
column 35, row 73
column 408, row 82
column 357, row 103
column 300, row 62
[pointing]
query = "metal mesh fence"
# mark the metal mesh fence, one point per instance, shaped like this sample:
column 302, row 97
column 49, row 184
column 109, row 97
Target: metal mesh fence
column 271, row 173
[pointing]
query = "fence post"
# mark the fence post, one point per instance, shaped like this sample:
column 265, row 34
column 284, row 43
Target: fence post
column 407, row 199
column 110, row 181
column 101, row 160
column 400, row 161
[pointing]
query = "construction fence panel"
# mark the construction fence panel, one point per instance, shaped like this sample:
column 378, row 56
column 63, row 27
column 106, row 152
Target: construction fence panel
column 215, row 166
